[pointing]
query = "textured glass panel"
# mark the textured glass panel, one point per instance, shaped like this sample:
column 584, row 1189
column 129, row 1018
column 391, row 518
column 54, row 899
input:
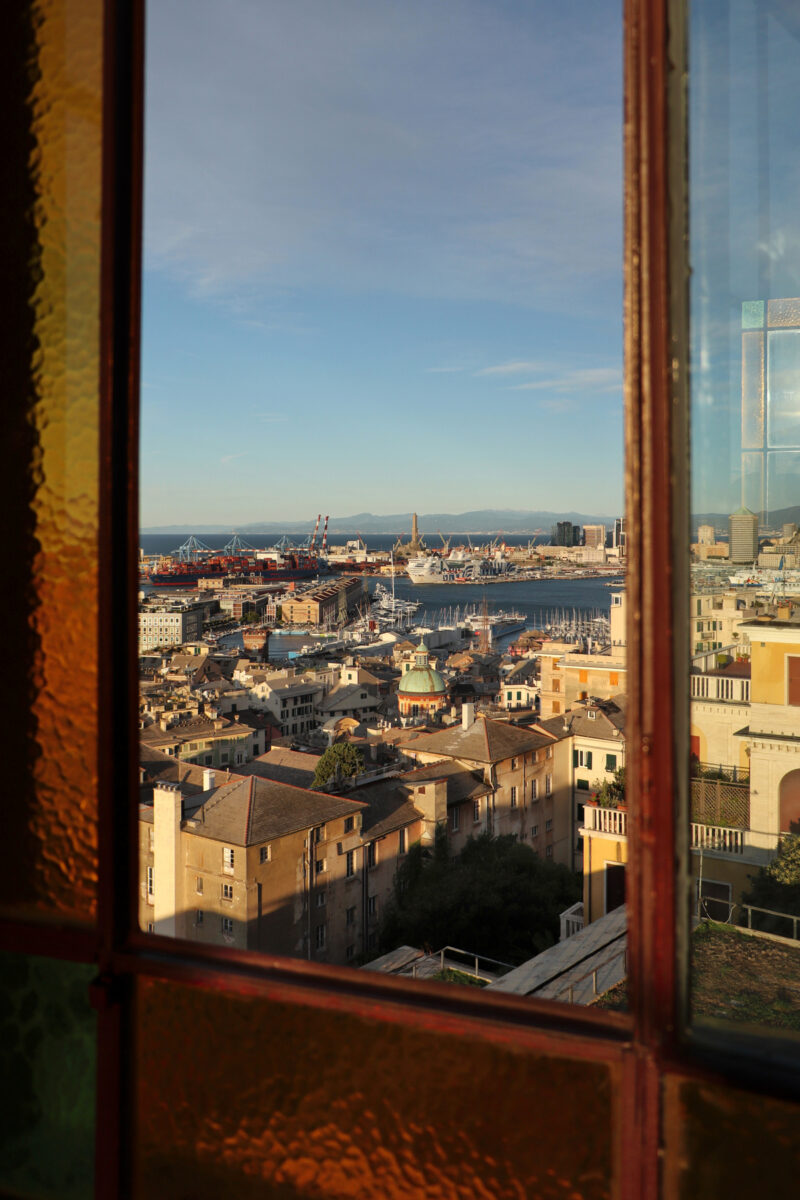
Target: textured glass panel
column 55, row 864
column 47, row 1067
column 744, row 849
column 752, row 390
column 722, row 1144
column 753, row 494
column 783, row 477
column 783, row 388
column 322, row 1103
column 783, row 312
column 753, row 314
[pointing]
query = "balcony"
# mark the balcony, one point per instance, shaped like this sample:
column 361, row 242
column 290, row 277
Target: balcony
column 717, row 839
column 612, row 822
column 720, row 796
column 571, row 921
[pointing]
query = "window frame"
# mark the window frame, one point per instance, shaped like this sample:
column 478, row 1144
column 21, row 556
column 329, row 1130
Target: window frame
column 644, row 1048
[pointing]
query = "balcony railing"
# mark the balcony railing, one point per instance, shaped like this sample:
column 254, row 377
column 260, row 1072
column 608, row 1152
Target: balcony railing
column 606, row 820
column 720, row 771
column 571, row 921
column 720, row 839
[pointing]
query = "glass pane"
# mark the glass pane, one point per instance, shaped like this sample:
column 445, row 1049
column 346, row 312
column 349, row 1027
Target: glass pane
column 402, row 254
column 53, row 867
column 318, row 1103
column 724, row 1142
column 745, row 607
column 47, row 1064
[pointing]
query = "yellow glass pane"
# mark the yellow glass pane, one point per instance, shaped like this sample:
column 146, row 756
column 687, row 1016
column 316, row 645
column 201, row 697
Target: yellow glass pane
column 55, row 869
column 320, row 1103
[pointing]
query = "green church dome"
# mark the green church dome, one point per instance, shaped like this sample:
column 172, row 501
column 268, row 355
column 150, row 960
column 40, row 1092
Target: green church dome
column 422, row 681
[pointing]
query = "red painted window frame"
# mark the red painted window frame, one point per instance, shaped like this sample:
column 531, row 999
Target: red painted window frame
column 644, row 1047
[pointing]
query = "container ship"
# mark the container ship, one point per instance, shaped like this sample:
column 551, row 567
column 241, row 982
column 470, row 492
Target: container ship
column 277, row 568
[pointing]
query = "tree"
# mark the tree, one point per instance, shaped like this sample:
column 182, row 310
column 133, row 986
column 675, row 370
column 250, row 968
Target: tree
column 497, row 898
column 777, row 885
column 611, row 793
column 341, row 761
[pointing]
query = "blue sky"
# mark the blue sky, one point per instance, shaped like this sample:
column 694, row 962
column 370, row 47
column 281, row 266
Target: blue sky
column 382, row 258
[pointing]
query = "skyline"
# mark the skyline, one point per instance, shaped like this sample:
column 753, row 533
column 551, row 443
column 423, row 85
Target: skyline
column 373, row 233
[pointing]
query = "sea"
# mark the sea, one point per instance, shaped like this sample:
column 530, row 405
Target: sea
column 538, row 601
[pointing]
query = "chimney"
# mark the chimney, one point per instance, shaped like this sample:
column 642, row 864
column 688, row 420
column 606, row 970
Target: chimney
column 167, row 813
column 208, row 779
column 431, row 800
column 467, row 715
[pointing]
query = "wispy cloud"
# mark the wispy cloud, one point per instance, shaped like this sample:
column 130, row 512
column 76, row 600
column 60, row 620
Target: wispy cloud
column 229, row 458
column 286, row 149
column 270, row 418
column 514, row 368
column 587, row 379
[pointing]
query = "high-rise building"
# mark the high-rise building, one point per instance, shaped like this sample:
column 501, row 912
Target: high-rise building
column 620, row 537
column 564, row 533
column 594, row 536
column 706, row 535
column 743, row 536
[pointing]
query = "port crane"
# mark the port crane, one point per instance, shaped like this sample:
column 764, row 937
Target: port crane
column 236, row 545
column 191, row 550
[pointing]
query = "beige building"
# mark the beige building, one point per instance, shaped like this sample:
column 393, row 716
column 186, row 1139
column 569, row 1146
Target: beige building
column 567, row 675
column 255, row 864
column 331, row 604
column 745, row 787
column 743, row 539
column 594, row 536
column 205, row 740
column 593, row 734
column 526, row 776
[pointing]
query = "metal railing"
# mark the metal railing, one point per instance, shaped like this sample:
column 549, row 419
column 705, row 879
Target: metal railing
column 721, row 771
column 569, row 991
column 751, row 908
column 476, row 959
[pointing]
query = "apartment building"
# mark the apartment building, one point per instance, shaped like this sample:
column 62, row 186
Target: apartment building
column 593, row 734
column 745, row 785
column 253, row 863
column 568, row 675
column 526, row 776
column 205, row 740
column 171, row 623
column 716, row 618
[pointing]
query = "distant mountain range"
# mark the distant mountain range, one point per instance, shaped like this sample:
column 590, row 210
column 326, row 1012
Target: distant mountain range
column 485, row 520
column 781, row 516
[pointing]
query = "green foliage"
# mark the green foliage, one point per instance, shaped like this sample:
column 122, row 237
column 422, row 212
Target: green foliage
column 451, row 975
column 497, row 898
column 777, row 885
column 341, row 761
column 611, row 793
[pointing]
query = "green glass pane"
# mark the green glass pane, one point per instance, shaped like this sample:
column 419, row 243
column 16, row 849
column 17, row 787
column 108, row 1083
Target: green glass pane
column 47, row 1067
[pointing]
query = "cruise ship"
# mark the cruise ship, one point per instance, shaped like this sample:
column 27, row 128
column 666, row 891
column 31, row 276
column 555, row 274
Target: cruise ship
column 458, row 567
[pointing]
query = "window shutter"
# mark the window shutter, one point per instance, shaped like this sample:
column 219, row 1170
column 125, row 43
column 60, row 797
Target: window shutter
column 588, row 758
column 793, row 672
column 574, row 758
